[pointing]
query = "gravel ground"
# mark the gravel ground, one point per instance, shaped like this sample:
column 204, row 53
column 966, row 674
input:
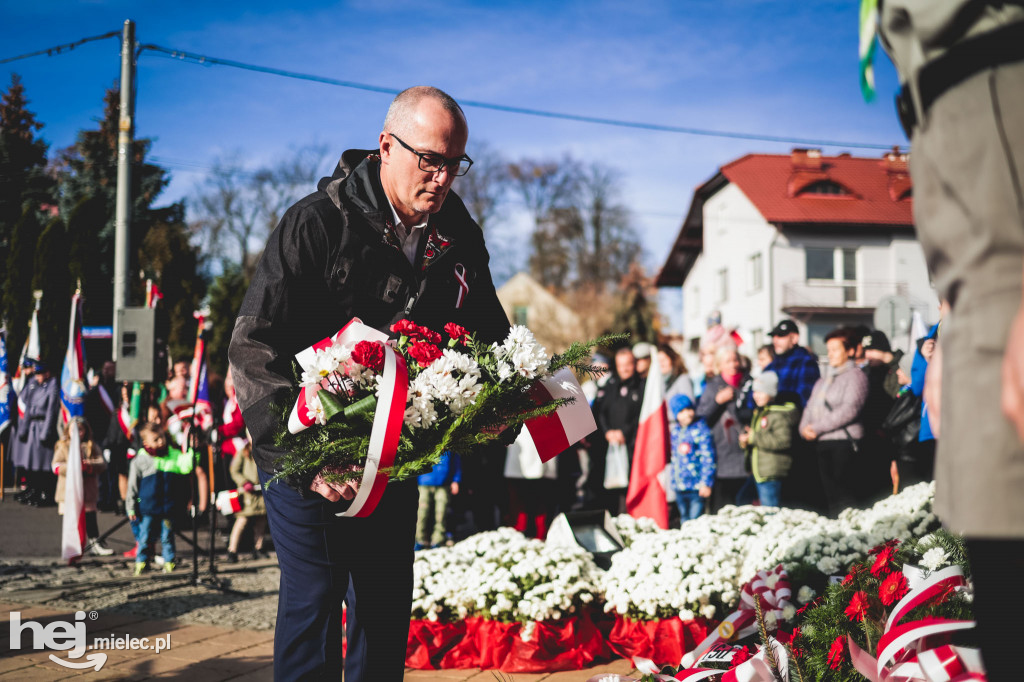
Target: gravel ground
column 106, row 585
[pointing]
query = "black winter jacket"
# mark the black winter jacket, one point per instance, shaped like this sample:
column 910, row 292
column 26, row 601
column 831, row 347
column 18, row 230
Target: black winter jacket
column 335, row 256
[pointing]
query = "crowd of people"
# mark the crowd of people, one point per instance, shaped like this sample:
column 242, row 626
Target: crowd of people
column 144, row 457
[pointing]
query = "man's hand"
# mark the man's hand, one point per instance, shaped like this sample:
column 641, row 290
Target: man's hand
column 933, row 389
column 809, row 434
column 454, row 487
column 724, row 395
column 615, row 437
column 333, row 492
column 1013, row 375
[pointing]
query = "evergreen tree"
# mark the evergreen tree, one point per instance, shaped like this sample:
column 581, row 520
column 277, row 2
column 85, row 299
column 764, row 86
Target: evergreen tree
column 88, row 183
column 636, row 313
column 17, row 293
column 226, row 295
column 23, row 176
column 51, row 276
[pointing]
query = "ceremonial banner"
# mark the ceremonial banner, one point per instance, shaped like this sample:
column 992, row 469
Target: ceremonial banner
column 647, row 480
column 72, row 397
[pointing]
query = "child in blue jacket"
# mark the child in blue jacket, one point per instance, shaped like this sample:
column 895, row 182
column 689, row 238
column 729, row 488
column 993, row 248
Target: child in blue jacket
column 435, row 487
column 693, row 457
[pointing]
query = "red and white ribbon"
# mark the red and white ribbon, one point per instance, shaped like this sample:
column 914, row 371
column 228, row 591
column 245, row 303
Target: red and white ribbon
column 743, row 621
column 349, row 335
column 460, row 275
column 384, row 435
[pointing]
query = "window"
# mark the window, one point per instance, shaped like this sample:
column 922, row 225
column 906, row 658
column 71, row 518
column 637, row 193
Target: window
column 519, row 315
column 723, row 285
column 820, row 263
column 825, row 188
column 824, row 263
column 755, row 274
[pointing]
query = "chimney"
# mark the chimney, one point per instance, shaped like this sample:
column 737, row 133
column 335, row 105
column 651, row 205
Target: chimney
column 806, row 159
column 895, row 162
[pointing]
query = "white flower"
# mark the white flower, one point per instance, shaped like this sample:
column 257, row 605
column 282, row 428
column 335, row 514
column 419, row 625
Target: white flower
column 323, row 365
column 708, row 611
column 788, row 612
column 805, row 594
column 934, row 559
column 315, row 410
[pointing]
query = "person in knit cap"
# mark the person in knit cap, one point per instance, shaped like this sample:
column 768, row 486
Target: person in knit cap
column 693, row 457
column 769, row 439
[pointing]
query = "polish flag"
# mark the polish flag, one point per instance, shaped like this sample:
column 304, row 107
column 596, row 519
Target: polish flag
column 566, row 426
column 647, row 479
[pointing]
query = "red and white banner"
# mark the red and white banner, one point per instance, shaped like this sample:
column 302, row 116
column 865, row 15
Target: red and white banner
column 646, row 495
column 566, row 426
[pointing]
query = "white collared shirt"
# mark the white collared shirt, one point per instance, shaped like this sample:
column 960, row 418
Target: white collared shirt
column 408, row 236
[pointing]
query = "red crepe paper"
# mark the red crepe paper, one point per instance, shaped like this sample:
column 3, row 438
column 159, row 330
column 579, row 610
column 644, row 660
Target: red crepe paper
column 662, row 641
column 430, row 641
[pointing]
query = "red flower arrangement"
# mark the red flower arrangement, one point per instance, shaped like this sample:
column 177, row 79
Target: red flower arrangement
column 883, row 562
column 741, row 655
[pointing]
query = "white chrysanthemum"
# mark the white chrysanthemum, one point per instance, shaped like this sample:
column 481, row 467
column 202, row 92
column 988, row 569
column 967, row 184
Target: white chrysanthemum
column 805, row 594
column 340, row 352
column 505, row 370
column 420, row 414
column 788, row 612
column 934, row 559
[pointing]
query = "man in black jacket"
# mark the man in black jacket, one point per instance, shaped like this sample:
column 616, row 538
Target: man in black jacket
column 382, row 240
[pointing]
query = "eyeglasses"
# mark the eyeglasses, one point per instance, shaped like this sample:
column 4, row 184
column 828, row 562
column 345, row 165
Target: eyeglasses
column 432, row 162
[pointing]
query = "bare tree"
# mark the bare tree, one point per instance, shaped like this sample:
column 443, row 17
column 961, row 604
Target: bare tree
column 239, row 207
column 583, row 237
column 484, row 189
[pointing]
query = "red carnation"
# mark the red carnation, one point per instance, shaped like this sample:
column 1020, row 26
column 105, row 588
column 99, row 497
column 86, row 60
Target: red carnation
column 893, row 588
column 858, row 607
column 883, row 562
column 369, row 354
column 424, row 353
column 406, row 328
column 739, row 656
column 457, row 332
column 837, row 653
column 429, row 335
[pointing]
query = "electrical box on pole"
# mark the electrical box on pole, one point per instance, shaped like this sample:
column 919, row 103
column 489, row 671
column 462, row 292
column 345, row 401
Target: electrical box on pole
column 122, row 215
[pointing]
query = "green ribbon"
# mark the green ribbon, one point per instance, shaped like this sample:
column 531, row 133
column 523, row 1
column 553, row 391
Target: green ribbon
column 866, row 47
column 333, row 407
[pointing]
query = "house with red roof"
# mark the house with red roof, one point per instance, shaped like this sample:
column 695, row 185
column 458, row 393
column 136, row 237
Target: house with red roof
column 823, row 240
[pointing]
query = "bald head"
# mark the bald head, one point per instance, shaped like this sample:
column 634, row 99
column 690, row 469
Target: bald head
column 409, row 107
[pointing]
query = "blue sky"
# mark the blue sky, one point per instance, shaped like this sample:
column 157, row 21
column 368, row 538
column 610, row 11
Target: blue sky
column 768, row 67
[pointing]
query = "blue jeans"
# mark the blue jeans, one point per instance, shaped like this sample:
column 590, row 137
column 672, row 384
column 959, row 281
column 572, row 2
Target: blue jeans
column 143, row 527
column 770, row 493
column 690, row 503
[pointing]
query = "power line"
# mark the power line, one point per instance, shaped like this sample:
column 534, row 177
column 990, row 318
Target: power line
column 58, row 49
column 206, row 60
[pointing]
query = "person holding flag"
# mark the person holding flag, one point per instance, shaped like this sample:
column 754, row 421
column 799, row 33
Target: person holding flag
column 648, row 478
column 92, row 465
column 72, row 400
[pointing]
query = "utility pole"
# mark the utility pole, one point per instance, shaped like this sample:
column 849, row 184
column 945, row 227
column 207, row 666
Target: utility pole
column 122, row 217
